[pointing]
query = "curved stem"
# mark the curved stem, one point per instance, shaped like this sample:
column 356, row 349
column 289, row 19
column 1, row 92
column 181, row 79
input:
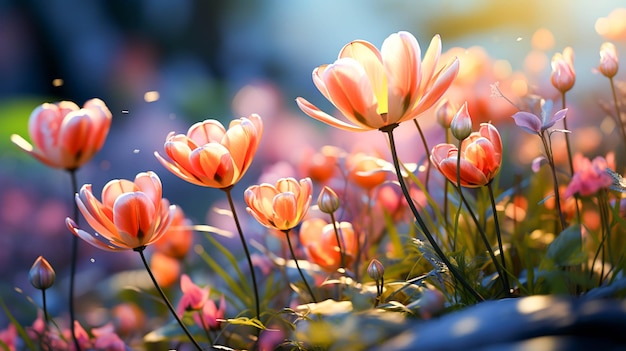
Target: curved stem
column 557, row 195
column 293, row 256
column 165, row 299
column 453, row 270
column 339, row 245
column 423, row 137
column 483, row 236
column 245, row 249
column 74, row 260
column 505, row 277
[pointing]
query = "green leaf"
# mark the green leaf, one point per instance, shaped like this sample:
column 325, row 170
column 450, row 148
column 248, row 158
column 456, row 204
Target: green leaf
column 253, row 322
column 20, row 330
column 565, row 249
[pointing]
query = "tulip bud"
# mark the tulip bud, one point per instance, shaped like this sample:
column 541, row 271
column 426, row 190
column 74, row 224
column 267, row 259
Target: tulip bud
column 563, row 74
column 376, row 270
column 41, row 274
column 608, row 60
column 461, row 125
column 445, row 112
column 328, row 201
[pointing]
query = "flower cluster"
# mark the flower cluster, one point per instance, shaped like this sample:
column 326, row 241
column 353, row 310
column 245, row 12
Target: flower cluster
column 407, row 237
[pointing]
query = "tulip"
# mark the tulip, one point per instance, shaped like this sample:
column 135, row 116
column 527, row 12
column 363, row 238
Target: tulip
column 590, row 176
column 461, row 124
column 179, row 237
column 563, row 75
column 320, row 243
column 375, row 88
column 328, row 201
column 609, row 62
column 445, row 112
column 211, row 156
column 367, row 171
column 281, row 206
column 481, row 158
column 41, row 274
column 64, row 135
column 131, row 215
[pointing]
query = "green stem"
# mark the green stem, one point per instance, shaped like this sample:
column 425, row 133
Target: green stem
column 453, row 270
column 555, row 181
column 293, row 256
column 569, row 154
column 338, row 238
column 505, row 277
column 427, row 150
column 618, row 115
column 74, row 261
column 165, row 299
column 245, row 248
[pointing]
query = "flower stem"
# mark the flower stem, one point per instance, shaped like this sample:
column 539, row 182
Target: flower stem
column 453, row 270
column 505, row 277
column 165, row 299
column 245, row 249
column 293, row 256
column 618, row 115
column 557, row 195
column 74, row 261
column 427, row 150
column 338, row 238
column 569, row 154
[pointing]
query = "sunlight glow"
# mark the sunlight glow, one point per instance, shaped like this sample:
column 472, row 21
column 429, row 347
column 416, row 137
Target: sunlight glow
column 465, row 326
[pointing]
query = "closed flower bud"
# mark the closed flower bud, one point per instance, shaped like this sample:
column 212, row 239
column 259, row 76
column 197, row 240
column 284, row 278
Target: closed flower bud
column 328, row 201
column 445, row 112
column 41, row 274
column 376, row 270
column 608, row 60
column 563, row 75
column 461, row 125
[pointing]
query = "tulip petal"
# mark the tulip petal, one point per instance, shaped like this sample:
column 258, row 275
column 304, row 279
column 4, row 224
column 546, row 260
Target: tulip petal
column 133, row 215
column 322, row 116
column 528, row 122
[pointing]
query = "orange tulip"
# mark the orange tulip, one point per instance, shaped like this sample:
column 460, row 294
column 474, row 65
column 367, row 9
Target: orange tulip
column 64, row 135
column 481, row 157
column 211, row 156
column 374, row 89
column 130, row 216
column 367, row 171
column 282, row 206
column 320, row 243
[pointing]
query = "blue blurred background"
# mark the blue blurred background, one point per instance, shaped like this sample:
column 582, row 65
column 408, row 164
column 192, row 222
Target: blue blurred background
column 198, row 55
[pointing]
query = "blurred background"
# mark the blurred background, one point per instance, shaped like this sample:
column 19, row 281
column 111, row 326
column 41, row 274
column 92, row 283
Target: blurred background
column 163, row 65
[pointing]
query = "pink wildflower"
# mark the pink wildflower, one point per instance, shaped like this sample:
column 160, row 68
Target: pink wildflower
column 589, row 177
column 193, row 297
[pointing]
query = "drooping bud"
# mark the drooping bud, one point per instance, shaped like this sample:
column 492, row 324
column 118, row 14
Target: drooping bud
column 608, row 60
column 376, row 270
column 328, row 201
column 445, row 112
column 461, row 125
column 41, row 274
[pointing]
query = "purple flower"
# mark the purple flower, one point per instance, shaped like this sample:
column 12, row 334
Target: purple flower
column 536, row 125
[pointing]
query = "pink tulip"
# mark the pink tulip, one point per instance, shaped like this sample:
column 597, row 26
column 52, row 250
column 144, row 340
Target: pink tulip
column 563, row 75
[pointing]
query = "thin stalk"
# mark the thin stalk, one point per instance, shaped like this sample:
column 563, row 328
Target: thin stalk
column 555, row 181
column 165, row 299
column 569, row 153
column 245, row 249
column 339, row 240
column 483, row 236
column 426, row 149
column 618, row 115
column 205, row 327
column 74, row 261
column 293, row 256
column 505, row 277
column 453, row 270
column 445, row 200
column 458, row 186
